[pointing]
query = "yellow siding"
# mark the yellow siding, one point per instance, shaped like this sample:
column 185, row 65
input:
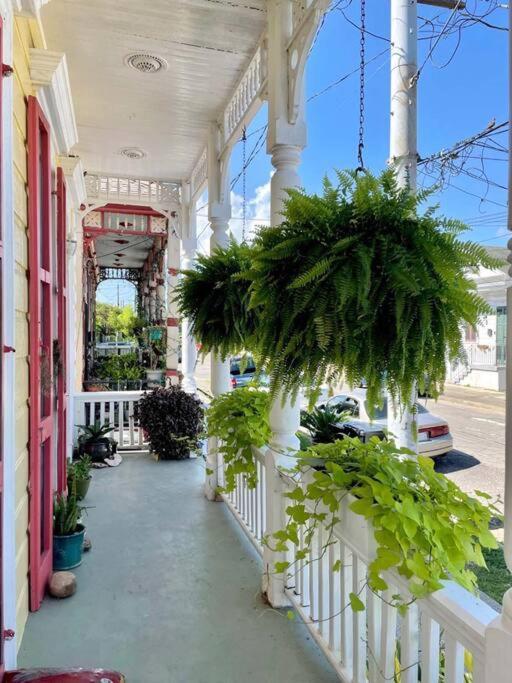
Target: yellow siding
column 22, row 88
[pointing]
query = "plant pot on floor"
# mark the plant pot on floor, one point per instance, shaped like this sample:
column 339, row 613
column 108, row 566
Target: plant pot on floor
column 81, row 487
column 67, row 550
column 97, row 450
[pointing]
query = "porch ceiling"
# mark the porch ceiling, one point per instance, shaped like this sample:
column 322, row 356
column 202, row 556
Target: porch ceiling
column 131, row 254
column 207, row 44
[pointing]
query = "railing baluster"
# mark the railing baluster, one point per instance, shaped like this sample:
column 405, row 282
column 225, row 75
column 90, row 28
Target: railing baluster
column 334, row 597
column 359, row 621
column 121, row 424
column 409, row 645
column 374, row 609
column 388, row 635
column 313, row 580
column 429, row 643
column 131, row 424
column 454, row 660
column 346, row 613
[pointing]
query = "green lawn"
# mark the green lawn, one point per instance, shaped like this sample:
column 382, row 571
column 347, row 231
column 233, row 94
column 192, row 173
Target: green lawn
column 497, row 579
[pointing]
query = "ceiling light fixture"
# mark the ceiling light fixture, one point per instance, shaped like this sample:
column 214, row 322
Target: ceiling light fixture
column 132, row 153
column 145, row 62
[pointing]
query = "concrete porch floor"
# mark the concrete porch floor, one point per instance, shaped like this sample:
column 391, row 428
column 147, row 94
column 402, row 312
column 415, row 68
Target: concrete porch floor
column 170, row 590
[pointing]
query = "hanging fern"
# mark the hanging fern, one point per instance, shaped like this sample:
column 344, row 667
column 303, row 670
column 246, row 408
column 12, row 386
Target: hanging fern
column 358, row 284
column 216, row 301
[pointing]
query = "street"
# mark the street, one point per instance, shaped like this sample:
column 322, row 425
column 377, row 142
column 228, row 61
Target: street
column 477, row 423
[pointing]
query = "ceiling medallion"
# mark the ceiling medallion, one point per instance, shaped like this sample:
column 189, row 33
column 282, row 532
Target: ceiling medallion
column 145, row 62
column 132, row 153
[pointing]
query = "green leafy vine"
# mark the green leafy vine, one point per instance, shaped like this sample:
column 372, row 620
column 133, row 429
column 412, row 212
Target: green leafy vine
column 239, row 420
column 425, row 527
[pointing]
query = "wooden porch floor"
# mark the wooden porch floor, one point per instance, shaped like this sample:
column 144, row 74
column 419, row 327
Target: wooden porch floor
column 170, row 590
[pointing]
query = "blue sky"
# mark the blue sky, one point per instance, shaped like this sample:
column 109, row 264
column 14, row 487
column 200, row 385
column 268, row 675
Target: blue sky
column 454, row 101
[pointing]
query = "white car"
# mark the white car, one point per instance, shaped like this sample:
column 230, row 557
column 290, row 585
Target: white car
column 434, row 436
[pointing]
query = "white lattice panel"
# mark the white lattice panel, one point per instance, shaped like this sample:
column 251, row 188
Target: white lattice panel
column 158, row 224
column 93, row 220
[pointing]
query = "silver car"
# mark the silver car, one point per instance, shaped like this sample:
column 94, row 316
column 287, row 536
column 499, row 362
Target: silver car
column 434, row 436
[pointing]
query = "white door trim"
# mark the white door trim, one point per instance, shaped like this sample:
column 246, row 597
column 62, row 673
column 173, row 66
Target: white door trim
column 8, row 307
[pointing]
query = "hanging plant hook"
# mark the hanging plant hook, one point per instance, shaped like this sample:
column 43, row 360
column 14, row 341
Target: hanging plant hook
column 244, row 182
column 362, row 54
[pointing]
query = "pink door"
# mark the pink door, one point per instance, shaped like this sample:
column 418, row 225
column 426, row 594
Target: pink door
column 41, row 352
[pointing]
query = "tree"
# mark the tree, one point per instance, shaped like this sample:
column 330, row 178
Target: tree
column 111, row 320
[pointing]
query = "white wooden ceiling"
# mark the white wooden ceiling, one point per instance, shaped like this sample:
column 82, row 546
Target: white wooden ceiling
column 207, row 44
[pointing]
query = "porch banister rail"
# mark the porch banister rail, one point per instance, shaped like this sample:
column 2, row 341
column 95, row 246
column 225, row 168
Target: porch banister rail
column 434, row 636
column 117, row 408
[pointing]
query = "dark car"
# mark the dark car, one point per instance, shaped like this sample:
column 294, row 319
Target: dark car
column 243, row 371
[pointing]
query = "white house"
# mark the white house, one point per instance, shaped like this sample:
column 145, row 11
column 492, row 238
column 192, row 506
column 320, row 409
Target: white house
column 485, row 357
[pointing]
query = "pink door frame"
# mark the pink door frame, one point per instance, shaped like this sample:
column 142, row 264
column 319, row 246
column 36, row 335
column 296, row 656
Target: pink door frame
column 62, row 389
column 40, row 353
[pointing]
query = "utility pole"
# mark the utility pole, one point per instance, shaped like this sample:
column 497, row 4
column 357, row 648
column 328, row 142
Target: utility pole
column 403, row 153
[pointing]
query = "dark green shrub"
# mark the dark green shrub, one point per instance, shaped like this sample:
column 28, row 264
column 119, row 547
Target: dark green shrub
column 172, row 420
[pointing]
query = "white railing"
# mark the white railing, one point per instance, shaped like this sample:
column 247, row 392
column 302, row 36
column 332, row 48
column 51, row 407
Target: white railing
column 430, row 643
column 480, row 354
column 246, row 94
column 249, row 505
column 102, row 187
column 117, row 408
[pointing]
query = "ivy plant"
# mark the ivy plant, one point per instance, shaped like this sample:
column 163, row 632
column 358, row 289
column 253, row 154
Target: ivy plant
column 216, row 300
column 239, row 420
column 425, row 527
column 358, row 283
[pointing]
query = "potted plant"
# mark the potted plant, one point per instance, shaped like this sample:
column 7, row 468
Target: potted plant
column 155, row 355
column 172, row 421
column 68, row 532
column 79, row 476
column 93, row 441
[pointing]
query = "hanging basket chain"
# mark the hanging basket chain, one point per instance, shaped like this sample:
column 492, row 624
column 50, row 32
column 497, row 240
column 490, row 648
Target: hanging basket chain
column 244, row 182
column 362, row 49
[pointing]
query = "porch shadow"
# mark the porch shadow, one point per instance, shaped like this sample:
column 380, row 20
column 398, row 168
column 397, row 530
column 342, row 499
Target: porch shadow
column 170, row 591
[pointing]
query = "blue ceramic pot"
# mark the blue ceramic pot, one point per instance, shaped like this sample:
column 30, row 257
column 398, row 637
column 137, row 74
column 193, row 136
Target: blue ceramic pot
column 67, row 550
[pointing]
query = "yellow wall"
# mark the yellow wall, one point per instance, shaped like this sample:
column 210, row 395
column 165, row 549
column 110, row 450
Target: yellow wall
column 22, row 88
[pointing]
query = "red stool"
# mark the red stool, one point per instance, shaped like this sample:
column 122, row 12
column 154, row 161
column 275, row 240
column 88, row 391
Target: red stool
column 64, row 676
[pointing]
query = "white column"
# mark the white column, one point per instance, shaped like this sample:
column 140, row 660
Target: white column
column 285, row 142
column 173, row 330
column 404, row 67
column 188, row 343
column 219, row 214
column 404, row 156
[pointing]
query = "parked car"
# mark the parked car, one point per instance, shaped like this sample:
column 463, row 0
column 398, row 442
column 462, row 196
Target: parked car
column 434, row 436
column 243, row 371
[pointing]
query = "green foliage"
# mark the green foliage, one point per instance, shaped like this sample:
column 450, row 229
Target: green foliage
column 425, row 527
column 495, row 579
column 110, row 319
column 94, row 432
column 66, row 515
column 323, row 424
column 216, row 300
column 119, row 367
column 172, row 420
column 79, row 469
column 356, row 283
column 239, row 420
